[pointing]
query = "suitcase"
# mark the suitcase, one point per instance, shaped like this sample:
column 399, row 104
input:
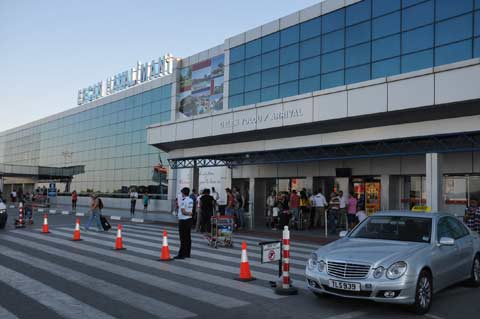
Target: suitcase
column 105, row 223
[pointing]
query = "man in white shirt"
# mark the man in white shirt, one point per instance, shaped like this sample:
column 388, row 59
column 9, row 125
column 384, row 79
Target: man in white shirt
column 185, row 212
column 133, row 201
column 342, row 212
column 216, row 197
column 319, row 203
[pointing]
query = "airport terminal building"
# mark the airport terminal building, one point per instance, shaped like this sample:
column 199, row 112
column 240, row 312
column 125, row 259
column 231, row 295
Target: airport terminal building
column 377, row 97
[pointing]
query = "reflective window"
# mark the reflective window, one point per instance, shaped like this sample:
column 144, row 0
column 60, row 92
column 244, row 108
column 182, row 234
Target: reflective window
column 252, row 82
column 288, row 89
column 252, row 97
column 381, row 7
column 310, row 48
column 332, row 80
column 310, row 29
column 269, row 78
column 309, row 85
column 270, row 93
column 270, row 60
column 236, row 86
column 237, row 54
column 476, row 47
column 477, row 4
column 253, row 65
column 358, row 12
column 452, row 30
column 408, row 3
column 270, row 42
column 357, row 74
column 418, row 15
column 289, row 54
column 477, row 23
column 417, row 61
column 332, row 61
column 310, row 67
column 453, row 52
column 235, row 100
column 386, row 68
column 333, row 41
column 253, row 48
column 289, row 36
column 386, row 47
column 333, row 21
column 386, row 25
column 358, row 33
column 417, row 39
column 448, row 8
column 357, row 55
column 289, row 72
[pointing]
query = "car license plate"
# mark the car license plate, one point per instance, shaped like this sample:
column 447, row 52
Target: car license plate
column 343, row 285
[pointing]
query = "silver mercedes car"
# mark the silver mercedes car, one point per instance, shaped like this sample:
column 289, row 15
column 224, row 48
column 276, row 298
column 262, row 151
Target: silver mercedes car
column 397, row 257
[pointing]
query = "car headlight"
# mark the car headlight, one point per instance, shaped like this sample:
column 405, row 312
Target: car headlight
column 321, row 266
column 313, row 261
column 396, row 270
column 3, row 211
column 378, row 272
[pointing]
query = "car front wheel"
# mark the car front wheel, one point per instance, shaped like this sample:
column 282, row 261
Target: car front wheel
column 423, row 294
column 474, row 280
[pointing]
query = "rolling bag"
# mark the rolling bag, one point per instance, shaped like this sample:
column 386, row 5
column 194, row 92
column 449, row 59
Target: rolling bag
column 105, row 223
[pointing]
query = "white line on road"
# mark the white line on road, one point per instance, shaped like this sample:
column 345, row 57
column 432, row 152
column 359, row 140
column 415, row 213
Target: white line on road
column 162, row 283
column 428, row 315
column 65, row 212
column 103, row 287
column 5, row 314
column 80, row 214
column 349, row 315
column 116, row 217
column 137, row 220
column 58, row 301
column 181, row 271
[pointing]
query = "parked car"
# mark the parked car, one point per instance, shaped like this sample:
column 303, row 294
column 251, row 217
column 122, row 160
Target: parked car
column 401, row 258
column 3, row 214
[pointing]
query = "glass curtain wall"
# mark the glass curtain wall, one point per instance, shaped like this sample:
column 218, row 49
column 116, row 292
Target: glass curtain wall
column 367, row 40
column 110, row 140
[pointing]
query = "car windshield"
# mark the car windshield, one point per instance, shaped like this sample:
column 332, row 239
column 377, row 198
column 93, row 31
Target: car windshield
column 400, row 228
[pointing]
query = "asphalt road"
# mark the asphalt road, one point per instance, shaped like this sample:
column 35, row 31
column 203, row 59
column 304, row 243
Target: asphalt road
column 50, row 276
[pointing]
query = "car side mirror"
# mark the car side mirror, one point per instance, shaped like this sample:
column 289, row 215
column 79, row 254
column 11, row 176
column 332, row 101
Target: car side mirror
column 343, row 233
column 447, row 241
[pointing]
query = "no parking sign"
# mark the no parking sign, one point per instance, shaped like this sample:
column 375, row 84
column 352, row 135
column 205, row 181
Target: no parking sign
column 271, row 251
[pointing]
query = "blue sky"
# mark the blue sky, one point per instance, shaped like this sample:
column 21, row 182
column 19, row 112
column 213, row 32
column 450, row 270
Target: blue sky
column 51, row 48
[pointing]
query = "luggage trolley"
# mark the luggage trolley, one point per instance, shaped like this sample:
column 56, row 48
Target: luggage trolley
column 221, row 231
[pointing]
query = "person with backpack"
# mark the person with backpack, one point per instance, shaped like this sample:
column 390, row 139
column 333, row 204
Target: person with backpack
column 96, row 206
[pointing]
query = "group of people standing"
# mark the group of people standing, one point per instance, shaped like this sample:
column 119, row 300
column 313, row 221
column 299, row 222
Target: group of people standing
column 303, row 210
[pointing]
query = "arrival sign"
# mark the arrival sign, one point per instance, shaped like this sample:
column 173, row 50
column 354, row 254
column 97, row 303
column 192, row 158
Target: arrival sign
column 271, row 251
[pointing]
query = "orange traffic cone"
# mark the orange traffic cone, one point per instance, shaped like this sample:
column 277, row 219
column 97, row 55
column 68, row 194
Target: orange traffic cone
column 245, row 274
column 76, row 232
column 165, row 251
column 119, row 241
column 45, row 224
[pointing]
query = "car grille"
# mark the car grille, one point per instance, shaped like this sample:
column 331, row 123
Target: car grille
column 347, row 271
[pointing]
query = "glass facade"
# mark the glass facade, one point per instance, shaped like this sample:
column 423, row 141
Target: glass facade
column 110, row 140
column 367, row 40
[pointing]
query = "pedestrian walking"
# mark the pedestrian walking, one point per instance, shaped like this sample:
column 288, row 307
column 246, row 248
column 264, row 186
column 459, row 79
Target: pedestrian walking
column 133, row 201
column 96, row 206
column 13, row 196
column 238, row 208
column 229, row 209
column 194, row 197
column 304, row 209
column 146, row 200
column 334, row 207
column 184, row 214
column 342, row 212
column 207, row 207
column 352, row 210
column 271, row 203
column 74, row 200
column 319, row 204
column 198, row 211
column 294, row 204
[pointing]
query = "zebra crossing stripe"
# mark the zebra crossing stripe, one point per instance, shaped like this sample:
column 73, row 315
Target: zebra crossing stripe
column 115, row 217
column 162, row 283
column 247, row 239
column 59, row 302
column 103, row 287
column 240, row 235
column 65, row 212
column 209, row 265
column 5, row 314
column 302, row 258
column 181, row 271
column 205, row 251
